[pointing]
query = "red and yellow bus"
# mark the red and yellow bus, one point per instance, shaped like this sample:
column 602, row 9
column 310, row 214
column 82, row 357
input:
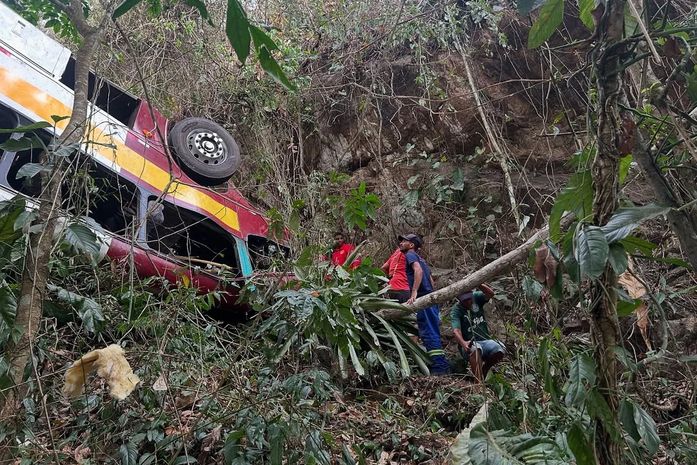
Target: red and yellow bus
column 158, row 190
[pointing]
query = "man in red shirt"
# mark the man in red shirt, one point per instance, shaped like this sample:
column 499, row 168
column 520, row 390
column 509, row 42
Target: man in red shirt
column 342, row 250
column 396, row 269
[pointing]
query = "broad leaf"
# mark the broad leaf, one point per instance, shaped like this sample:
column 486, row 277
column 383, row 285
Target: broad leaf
column 90, row 313
column 30, row 170
column 590, row 250
column 618, row 258
column 83, row 239
column 237, row 29
column 24, row 143
column 633, row 245
column 124, row 8
column 551, row 16
column 625, row 220
column 502, row 448
column 8, row 306
column 647, row 430
column 268, row 64
column 201, row 7
column 8, row 218
column 261, row 38
column 625, row 164
column 27, row 128
column 576, row 197
column 128, row 453
column 627, row 307
column 579, row 445
column 639, row 426
column 585, row 11
column 581, row 379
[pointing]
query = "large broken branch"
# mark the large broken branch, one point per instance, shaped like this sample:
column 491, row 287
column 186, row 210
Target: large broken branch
column 484, row 274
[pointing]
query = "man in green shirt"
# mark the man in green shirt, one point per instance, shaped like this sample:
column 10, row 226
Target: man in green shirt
column 472, row 333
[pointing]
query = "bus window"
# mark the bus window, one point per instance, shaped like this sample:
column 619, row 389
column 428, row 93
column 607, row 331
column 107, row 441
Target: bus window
column 189, row 236
column 264, row 252
column 27, row 186
column 8, row 120
column 108, row 199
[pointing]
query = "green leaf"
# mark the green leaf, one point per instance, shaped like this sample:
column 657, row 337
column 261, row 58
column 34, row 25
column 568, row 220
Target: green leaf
column 201, row 7
column 532, row 289
column 354, row 359
column 24, row 143
column 237, row 29
column 403, row 362
column 29, row 170
column 27, row 128
column 647, row 430
column 90, row 313
column 8, row 218
column 58, row 118
column 625, row 220
column 411, row 199
column 633, row 245
column 268, row 64
column 261, row 38
column 625, row 164
column 8, row 306
column 458, row 183
column 590, row 250
column 626, row 308
column 618, row 258
column 576, row 197
column 184, row 460
column 128, row 453
column 82, row 238
column 585, row 10
column 276, row 442
column 502, row 448
column 579, row 445
column 581, row 379
column 124, row 8
column 626, row 416
column 551, row 16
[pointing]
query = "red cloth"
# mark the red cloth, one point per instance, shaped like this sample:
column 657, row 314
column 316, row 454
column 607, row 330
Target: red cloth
column 397, row 271
column 341, row 253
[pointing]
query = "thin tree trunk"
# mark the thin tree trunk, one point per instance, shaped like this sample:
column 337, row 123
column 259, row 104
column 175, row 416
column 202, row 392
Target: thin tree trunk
column 486, row 273
column 605, row 330
column 35, row 273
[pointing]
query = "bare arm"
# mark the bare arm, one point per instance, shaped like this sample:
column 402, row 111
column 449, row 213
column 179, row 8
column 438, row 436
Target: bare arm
column 461, row 340
column 418, row 276
column 386, row 267
column 487, row 290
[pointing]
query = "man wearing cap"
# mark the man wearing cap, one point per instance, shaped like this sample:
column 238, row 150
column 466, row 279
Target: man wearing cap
column 428, row 319
column 472, row 332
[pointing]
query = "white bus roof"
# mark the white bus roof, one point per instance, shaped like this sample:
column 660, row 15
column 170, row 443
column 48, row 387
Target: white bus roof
column 25, row 40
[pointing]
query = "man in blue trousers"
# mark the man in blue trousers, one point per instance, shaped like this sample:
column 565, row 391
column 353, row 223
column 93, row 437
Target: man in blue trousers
column 428, row 319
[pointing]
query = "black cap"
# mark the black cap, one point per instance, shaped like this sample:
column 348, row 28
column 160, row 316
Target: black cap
column 462, row 298
column 413, row 238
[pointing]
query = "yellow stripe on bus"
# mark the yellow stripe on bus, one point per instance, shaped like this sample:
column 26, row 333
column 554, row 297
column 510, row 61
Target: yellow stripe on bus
column 44, row 106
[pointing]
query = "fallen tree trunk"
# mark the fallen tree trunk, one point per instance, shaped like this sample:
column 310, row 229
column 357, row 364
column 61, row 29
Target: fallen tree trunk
column 484, row 274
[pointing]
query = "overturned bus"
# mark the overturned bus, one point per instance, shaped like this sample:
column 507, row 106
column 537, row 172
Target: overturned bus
column 159, row 191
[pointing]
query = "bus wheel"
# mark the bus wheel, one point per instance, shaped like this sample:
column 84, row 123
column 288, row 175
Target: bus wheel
column 206, row 151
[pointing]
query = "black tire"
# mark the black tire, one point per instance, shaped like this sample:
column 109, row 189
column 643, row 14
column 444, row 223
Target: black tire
column 204, row 150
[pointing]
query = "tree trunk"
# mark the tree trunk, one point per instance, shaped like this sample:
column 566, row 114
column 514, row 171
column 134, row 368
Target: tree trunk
column 35, row 273
column 605, row 330
column 484, row 274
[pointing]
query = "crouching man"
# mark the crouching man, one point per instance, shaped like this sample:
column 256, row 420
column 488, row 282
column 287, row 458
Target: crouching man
column 472, row 333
